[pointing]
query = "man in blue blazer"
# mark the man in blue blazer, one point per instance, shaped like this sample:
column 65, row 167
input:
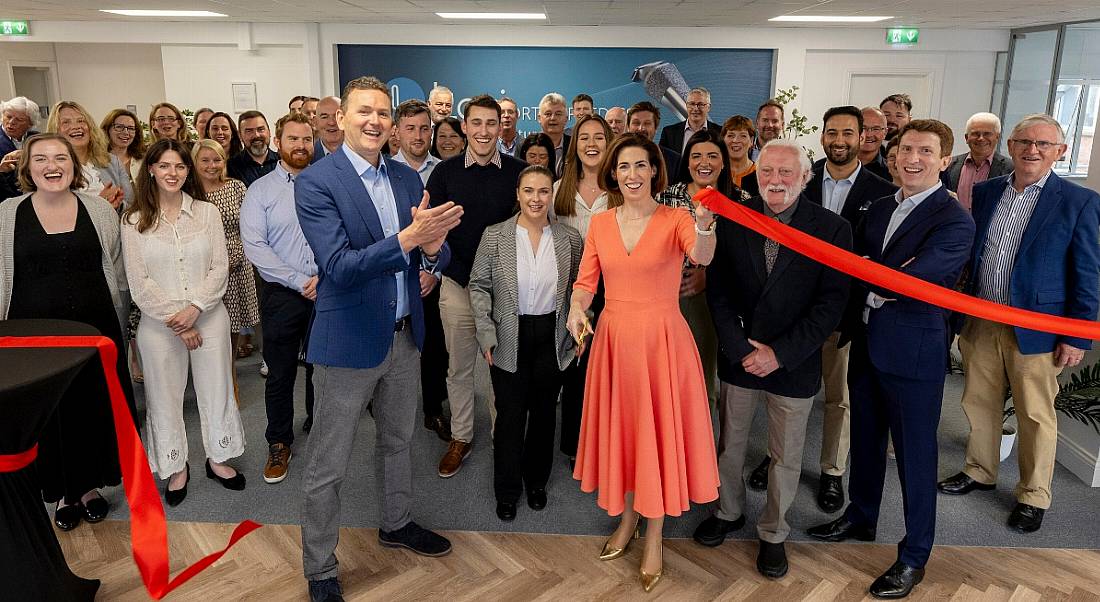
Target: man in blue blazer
column 899, row 353
column 1036, row 249
column 327, row 135
column 18, row 117
column 368, row 222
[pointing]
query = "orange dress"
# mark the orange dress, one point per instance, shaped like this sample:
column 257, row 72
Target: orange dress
column 646, row 425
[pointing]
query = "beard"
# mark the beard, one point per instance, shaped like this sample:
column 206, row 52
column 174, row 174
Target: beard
column 298, row 159
column 841, row 156
column 258, row 147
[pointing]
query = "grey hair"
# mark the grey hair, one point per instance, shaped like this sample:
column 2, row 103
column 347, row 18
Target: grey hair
column 551, row 98
column 700, row 90
column 987, row 117
column 23, row 105
column 1039, row 119
column 440, row 90
column 796, row 148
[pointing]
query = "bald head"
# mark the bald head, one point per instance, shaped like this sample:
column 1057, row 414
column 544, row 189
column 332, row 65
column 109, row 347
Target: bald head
column 874, row 131
column 324, row 123
column 616, row 118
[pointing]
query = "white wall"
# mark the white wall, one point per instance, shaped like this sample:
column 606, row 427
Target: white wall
column 197, row 76
column 19, row 53
column 102, row 77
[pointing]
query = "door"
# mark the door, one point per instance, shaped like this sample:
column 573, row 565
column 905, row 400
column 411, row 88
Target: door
column 868, row 89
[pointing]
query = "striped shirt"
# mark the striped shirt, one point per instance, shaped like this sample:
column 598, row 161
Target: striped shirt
column 1002, row 240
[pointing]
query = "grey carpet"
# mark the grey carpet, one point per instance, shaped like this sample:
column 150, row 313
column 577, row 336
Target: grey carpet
column 466, row 502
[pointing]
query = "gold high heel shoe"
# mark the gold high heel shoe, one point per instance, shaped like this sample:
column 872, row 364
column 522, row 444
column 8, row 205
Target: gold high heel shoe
column 611, row 553
column 650, row 581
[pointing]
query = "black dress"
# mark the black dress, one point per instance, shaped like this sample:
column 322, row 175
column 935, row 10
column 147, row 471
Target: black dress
column 60, row 276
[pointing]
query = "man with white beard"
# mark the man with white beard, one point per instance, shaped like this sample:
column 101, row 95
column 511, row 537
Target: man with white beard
column 773, row 310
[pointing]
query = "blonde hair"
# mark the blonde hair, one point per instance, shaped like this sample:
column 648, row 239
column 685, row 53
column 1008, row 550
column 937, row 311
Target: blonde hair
column 98, row 148
column 213, row 145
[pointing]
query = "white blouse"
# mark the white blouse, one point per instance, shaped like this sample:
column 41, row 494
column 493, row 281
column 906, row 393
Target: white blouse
column 536, row 273
column 170, row 266
column 92, row 183
column 582, row 213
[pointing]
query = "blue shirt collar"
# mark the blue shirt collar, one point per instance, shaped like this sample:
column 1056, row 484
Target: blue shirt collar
column 361, row 165
column 920, row 196
column 850, row 179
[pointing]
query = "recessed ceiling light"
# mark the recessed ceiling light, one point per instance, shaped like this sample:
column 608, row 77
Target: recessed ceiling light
column 494, row 16
column 161, row 13
column 828, row 19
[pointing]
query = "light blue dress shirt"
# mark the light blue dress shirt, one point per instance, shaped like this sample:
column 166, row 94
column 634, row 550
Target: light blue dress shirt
column 376, row 180
column 272, row 238
column 835, row 192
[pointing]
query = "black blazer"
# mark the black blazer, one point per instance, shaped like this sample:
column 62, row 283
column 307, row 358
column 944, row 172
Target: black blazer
column 1001, row 166
column 867, row 189
column 794, row 309
column 672, row 136
column 672, row 163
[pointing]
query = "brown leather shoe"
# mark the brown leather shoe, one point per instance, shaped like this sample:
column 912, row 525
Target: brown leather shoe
column 278, row 462
column 452, row 460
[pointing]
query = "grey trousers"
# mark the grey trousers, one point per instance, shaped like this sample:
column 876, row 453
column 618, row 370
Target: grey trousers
column 787, row 418
column 341, row 395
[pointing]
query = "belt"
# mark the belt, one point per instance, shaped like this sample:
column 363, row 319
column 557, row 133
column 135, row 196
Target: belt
column 402, row 324
column 15, row 462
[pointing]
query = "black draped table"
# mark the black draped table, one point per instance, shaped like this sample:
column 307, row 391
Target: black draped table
column 32, row 381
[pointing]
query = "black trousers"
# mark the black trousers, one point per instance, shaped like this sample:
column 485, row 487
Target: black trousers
column 286, row 317
column 572, row 393
column 523, row 438
column 433, row 357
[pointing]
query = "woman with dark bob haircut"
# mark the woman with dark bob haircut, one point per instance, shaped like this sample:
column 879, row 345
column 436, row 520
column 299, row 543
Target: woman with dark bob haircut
column 538, row 149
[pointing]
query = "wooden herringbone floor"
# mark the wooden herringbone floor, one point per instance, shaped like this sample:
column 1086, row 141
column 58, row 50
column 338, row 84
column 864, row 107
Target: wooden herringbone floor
column 267, row 565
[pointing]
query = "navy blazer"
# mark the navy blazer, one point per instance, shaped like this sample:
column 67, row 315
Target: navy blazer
column 793, row 309
column 1057, row 268
column 1000, row 166
column 672, row 136
column 867, row 188
column 354, row 313
column 907, row 337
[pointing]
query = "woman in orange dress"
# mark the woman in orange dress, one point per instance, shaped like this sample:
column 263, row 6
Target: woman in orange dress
column 646, row 439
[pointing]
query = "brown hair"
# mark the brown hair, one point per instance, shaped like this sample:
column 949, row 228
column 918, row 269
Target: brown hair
column 235, row 145
column 183, row 134
column 481, row 100
column 565, row 201
column 771, row 102
column 932, row 126
column 136, row 149
column 98, row 148
column 366, row 82
column 23, row 170
column 738, row 122
column 899, row 99
column 301, row 118
column 644, row 107
column 144, row 210
column 611, row 159
column 411, row 108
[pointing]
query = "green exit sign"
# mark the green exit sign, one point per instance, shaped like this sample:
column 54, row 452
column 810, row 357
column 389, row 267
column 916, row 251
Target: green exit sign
column 15, row 28
column 903, row 36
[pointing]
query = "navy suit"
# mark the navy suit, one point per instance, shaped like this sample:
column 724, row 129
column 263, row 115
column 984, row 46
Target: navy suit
column 1056, row 266
column 9, row 184
column 897, row 365
column 356, row 264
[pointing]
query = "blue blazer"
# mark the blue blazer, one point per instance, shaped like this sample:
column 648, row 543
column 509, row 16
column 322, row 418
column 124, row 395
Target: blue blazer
column 1057, row 268
column 908, row 337
column 6, row 143
column 356, row 263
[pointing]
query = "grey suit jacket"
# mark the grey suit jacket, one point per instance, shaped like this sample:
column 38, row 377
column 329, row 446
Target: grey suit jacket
column 1001, row 165
column 494, row 291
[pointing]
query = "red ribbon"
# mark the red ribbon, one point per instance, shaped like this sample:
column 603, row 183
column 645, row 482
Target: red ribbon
column 19, row 461
column 899, row 282
column 148, row 528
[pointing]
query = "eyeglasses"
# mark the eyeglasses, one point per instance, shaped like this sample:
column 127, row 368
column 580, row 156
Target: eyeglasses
column 874, row 129
column 986, row 135
column 698, row 105
column 164, row 119
column 123, row 128
column 1042, row 145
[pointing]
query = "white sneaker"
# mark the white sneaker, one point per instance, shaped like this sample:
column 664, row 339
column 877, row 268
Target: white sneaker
column 263, row 368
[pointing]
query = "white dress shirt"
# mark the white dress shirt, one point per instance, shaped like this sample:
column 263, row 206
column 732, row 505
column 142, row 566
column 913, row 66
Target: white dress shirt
column 582, row 213
column 536, row 273
column 172, row 265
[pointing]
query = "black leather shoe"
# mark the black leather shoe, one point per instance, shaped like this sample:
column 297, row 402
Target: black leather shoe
column 1026, row 518
column 506, row 511
column 713, row 531
column 307, row 426
column 830, row 493
column 962, row 484
column 536, row 499
column 771, row 561
column 68, row 517
column 325, row 590
column 897, row 581
column 840, row 530
column 175, row 497
column 440, row 426
column 235, row 482
column 96, row 509
column 758, row 478
column 416, row 538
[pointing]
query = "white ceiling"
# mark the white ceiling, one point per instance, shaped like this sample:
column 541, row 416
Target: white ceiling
column 993, row 14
